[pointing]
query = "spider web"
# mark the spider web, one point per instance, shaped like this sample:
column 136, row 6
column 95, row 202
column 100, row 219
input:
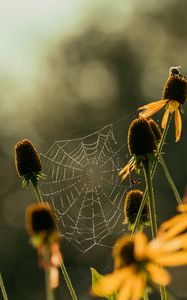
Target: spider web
column 84, row 188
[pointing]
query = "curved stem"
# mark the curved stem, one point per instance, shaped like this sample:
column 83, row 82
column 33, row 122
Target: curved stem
column 4, row 294
column 153, row 169
column 49, row 290
column 170, row 180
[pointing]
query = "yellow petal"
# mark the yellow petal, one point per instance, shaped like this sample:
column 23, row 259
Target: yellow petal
column 174, row 244
column 126, row 290
column 152, row 108
column 175, row 259
column 165, row 118
column 173, row 106
column 178, row 125
column 173, row 226
column 158, row 275
column 182, row 207
column 139, row 288
column 110, row 283
column 141, row 242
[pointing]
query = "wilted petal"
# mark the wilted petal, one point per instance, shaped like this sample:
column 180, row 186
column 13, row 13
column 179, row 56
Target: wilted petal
column 158, row 275
column 151, row 108
column 178, row 125
column 54, row 277
column 56, row 257
column 165, row 118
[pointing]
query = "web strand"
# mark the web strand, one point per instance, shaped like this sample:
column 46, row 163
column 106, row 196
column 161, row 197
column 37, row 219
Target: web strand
column 84, row 187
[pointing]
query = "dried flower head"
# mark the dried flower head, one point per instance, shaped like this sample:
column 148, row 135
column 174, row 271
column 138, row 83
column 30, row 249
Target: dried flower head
column 175, row 89
column 141, row 139
column 142, row 145
column 27, row 162
column 42, row 229
column 173, row 98
column 40, row 223
column 156, row 130
column 133, row 201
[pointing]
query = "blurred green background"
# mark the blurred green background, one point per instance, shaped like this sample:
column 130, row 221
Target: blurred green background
column 68, row 68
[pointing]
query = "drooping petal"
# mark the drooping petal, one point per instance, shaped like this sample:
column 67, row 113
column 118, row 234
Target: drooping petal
column 173, row 259
column 56, row 257
column 110, row 283
column 178, row 125
column 165, row 118
column 151, row 108
column 158, row 275
column 173, row 106
column 54, row 277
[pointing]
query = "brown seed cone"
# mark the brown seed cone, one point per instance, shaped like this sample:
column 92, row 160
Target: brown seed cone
column 27, row 159
column 175, row 89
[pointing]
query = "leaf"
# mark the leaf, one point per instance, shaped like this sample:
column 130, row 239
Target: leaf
column 96, row 277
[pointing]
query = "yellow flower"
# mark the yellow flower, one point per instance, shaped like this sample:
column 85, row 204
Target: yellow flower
column 137, row 260
column 174, row 96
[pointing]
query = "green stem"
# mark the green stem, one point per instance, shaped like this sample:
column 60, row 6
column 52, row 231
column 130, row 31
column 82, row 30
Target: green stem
column 146, row 295
column 38, row 194
column 49, row 290
column 63, row 268
column 5, row 297
column 170, row 180
column 152, row 212
column 68, row 281
column 154, row 166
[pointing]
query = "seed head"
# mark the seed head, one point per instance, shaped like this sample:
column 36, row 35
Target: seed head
column 27, row 161
column 141, row 139
column 156, row 130
column 132, row 204
column 40, row 222
column 175, row 88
